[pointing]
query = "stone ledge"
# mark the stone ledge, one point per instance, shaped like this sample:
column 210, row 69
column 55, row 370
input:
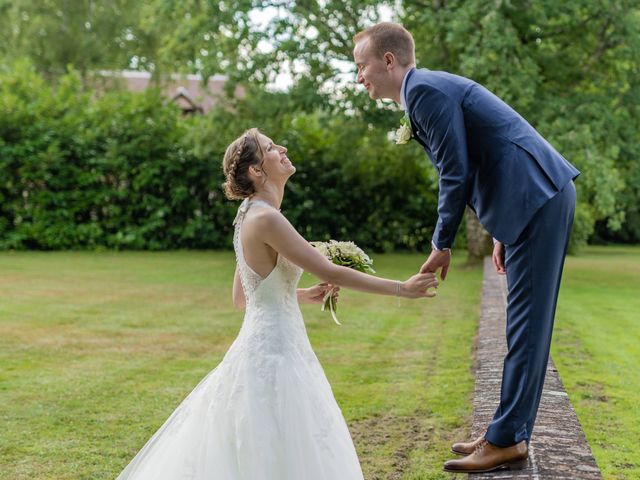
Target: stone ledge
column 558, row 449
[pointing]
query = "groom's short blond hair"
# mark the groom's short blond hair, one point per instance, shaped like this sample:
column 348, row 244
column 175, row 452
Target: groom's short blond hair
column 390, row 37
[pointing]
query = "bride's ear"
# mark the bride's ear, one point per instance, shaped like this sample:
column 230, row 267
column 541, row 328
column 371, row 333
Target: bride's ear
column 255, row 170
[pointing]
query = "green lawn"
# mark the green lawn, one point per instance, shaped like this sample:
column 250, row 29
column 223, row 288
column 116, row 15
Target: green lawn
column 597, row 352
column 97, row 349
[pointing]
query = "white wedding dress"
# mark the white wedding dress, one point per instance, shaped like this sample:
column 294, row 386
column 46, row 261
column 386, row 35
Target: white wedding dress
column 266, row 412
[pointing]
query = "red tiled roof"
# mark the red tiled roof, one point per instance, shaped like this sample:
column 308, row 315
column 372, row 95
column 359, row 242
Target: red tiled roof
column 178, row 87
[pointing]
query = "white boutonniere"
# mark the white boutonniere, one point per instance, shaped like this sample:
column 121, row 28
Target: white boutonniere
column 404, row 133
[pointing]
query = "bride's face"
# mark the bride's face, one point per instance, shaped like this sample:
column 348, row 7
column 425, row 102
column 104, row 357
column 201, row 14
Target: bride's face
column 275, row 163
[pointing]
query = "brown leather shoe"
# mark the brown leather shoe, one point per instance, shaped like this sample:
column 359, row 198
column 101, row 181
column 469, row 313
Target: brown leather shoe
column 487, row 457
column 466, row 448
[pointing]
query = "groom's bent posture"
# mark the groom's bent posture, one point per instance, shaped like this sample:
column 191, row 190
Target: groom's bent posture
column 488, row 157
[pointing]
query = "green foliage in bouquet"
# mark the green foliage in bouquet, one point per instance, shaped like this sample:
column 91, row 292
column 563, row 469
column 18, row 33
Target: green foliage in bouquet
column 346, row 254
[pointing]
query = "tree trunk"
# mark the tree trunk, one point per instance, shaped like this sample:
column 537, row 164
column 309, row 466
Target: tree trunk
column 479, row 243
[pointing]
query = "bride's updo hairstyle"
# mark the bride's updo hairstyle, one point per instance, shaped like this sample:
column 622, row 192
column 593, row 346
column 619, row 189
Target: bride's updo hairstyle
column 243, row 152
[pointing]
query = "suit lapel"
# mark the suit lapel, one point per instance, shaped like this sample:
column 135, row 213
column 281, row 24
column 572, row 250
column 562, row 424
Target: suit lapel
column 417, row 132
column 414, row 129
column 414, row 132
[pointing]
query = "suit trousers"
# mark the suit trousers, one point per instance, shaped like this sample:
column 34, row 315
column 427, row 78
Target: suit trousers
column 534, row 269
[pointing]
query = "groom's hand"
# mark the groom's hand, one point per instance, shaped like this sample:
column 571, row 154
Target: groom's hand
column 498, row 258
column 437, row 259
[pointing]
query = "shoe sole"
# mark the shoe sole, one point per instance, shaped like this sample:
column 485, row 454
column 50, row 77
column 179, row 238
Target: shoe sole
column 457, row 452
column 515, row 465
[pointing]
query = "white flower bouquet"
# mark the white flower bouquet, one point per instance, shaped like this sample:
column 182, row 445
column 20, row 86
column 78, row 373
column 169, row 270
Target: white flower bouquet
column 346, row 254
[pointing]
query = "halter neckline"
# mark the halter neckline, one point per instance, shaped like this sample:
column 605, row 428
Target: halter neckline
column 244, row 207
column 262, row 202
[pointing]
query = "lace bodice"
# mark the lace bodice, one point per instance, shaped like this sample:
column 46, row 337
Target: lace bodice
column 279, row 287
column 273, row 323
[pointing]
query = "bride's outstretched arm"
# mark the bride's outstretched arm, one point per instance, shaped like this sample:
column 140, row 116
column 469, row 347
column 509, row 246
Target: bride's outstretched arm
column 280, row 235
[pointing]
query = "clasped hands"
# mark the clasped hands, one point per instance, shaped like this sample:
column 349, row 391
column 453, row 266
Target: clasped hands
column 439, row 259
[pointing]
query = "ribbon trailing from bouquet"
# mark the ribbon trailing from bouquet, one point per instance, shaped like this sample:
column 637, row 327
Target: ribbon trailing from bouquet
column 328, row 299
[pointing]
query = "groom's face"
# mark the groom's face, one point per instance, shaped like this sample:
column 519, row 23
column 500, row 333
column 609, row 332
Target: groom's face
column 372, row 70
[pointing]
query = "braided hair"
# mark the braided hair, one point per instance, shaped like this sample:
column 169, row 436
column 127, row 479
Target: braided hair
column 242, row 153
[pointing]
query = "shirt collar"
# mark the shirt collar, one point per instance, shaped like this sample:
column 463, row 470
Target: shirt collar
column 403, row 103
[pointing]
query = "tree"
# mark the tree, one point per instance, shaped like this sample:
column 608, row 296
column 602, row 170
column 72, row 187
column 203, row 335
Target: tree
column 87, row 34
column 571, row 69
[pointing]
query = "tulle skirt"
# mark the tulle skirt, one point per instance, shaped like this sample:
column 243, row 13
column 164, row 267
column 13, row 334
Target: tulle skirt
column 255, row 417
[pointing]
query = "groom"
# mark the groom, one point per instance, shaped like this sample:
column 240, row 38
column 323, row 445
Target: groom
column 488, row 157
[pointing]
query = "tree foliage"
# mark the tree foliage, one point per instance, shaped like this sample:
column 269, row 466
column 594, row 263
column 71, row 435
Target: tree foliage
column 570, row 68
column 87, row 34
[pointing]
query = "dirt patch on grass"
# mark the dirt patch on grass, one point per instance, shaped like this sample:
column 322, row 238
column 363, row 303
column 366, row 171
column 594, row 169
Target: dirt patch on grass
column 385, row 442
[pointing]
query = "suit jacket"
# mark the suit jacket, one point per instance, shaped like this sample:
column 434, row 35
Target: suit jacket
column 487, row 156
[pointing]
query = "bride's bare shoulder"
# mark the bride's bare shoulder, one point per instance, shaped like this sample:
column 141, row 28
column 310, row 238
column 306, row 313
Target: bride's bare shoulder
column 263, row 218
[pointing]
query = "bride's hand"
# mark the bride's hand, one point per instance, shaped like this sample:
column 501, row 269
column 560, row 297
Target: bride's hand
column 317, row 293
column 418, row 285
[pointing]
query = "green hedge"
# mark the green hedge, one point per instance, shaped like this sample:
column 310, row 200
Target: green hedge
column 126, row 171
column 79, row 172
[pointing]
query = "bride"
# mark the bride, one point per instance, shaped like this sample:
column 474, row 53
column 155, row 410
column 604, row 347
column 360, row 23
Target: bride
column 266, row 412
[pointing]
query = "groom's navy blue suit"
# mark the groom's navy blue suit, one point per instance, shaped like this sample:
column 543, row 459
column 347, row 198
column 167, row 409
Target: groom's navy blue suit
column 488, row 157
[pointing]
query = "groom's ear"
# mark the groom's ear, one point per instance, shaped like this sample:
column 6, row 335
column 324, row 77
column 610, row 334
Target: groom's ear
column 389, row 60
